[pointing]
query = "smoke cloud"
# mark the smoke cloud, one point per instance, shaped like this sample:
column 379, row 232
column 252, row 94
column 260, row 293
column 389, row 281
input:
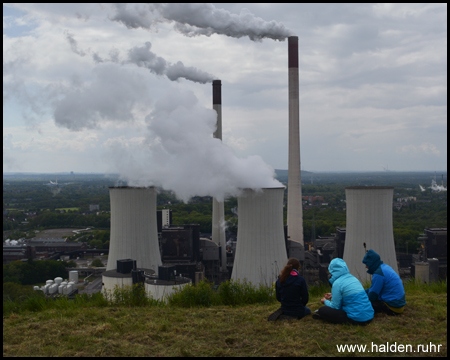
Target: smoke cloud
column 180, row 154
column 201, row 19
column 111, row 96
column 73, row 44
column 143, row 57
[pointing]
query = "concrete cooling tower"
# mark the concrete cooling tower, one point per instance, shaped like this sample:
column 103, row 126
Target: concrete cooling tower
column 294, row 202
column 260, row 248
column 369, row 226
column 134, row 233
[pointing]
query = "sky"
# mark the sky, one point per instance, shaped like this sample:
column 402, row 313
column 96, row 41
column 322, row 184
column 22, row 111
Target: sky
column 127, row 89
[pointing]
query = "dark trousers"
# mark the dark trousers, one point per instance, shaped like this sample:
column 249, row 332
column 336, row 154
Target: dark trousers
column 380, row 306
column 278, row 315
column 338, row 316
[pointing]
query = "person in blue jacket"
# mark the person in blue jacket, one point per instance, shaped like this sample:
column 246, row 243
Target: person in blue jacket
column 386, row 292
column 347, row 302
column 292, row 293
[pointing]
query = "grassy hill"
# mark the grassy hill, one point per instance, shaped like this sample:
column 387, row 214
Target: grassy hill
column 70, row 329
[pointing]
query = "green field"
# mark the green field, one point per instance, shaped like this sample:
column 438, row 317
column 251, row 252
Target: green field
column 106, row 329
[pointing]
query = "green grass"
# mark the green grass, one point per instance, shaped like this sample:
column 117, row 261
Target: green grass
column 124, row 326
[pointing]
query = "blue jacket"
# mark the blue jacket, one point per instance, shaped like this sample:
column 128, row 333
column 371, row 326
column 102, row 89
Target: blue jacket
column 347, row 293
column 386, row 284
column 293, row 294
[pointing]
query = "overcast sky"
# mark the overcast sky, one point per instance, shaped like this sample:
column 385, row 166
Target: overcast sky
column 105, row 88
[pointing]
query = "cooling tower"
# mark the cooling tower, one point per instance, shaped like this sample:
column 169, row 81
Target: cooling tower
column 260, row 248
column 134, row 233
column 369, row 226
column 218, row 212
column 294, row 201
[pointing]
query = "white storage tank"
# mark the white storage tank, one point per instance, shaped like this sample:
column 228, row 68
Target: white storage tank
column 58, row 280
column 36, row 288
column 422, row 272
column 61, row 289
column 53, row 289
column 49, row 282
column 67, row 289
column 73, row 276
column 161, row 292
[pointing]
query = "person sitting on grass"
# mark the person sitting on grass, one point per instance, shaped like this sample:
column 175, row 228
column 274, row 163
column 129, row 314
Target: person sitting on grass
column 347, row 302
column 386, row 292
column 292, row 293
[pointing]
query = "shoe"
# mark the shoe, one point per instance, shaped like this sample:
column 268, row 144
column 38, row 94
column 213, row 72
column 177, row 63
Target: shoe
column 274, row 316
column 316, row 315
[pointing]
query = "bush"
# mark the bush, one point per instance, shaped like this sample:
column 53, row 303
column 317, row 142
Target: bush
column 231, row 293
column 134, row 295
column 190, row 295
column 244, row 293
column 97, row 263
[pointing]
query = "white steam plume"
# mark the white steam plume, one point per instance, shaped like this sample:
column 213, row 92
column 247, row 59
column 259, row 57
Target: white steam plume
column 143, row 57
column 180, row 154
column 201, row 19
column 112, row 95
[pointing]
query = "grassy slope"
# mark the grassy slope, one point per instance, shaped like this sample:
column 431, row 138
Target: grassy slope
column 216, row 331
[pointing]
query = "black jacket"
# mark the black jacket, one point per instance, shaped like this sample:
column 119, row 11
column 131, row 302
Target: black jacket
column 293, row 294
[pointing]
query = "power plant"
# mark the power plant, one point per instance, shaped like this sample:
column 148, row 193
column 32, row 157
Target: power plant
column 161, row 255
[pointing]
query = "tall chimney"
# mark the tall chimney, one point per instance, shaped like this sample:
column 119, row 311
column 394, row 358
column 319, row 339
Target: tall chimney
column 134, row 233
column 294, row 201
column 260, row 248
column 369, row 226
column 218, row 212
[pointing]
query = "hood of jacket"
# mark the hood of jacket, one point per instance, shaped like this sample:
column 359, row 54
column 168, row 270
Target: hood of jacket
column 293, row 276
column 372, row 260
column 337, row 268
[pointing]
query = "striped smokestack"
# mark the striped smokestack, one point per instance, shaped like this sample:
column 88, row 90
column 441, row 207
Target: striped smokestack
column 218, row 212
column 294, row 209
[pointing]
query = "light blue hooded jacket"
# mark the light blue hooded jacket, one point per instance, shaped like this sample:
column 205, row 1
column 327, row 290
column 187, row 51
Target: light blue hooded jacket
column 347, row 293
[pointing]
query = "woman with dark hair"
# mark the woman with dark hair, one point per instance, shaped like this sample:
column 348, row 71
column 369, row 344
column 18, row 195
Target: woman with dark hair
column 292, row 293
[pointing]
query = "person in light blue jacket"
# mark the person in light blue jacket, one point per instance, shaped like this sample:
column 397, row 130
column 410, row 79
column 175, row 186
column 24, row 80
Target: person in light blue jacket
column 386, row 292
column 347, row 302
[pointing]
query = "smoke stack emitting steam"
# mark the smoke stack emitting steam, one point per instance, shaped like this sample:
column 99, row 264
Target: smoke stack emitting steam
column 218, row 210
column 200, row 19
column 294, row 203
column 178, row 152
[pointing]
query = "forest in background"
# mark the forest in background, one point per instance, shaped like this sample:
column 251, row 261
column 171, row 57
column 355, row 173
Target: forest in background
column 31, row 202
